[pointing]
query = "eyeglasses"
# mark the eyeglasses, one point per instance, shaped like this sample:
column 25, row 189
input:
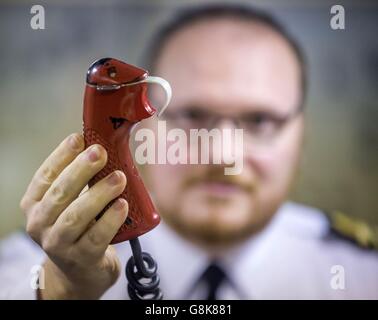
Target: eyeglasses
column 261, row 126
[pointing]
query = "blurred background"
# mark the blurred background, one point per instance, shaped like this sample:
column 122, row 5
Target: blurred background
column 43, row 72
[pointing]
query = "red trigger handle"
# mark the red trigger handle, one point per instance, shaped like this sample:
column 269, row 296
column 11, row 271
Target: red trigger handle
column 115, row 100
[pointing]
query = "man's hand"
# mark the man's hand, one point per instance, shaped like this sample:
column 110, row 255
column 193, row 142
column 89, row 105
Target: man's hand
column 80, row 264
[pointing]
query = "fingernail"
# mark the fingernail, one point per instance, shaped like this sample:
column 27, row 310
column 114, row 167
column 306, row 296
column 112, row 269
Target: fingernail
column 119, row 204
column 94, row 154
column 73, row 141
column 114, row 179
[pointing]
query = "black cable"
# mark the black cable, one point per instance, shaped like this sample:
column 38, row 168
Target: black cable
column 141, row 266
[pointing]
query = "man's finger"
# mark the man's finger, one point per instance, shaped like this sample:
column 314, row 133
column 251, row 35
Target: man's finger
column 96, row 239
column 62, row 156
column 68, row 185
column 73, row 222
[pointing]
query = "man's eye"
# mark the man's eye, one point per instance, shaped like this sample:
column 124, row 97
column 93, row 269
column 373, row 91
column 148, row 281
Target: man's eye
column 259, row 119
column 194, row 114
column 260, row 122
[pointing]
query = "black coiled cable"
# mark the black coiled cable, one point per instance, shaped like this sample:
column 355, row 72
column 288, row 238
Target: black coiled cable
column 141, row 266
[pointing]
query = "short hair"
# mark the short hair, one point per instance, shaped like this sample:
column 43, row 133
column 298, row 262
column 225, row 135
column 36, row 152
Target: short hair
column 241, row 12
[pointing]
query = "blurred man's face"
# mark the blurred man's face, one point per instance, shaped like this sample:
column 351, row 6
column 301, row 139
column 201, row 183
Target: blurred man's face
column 245, row 71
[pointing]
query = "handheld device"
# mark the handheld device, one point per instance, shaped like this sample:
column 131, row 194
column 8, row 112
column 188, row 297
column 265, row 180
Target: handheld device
column 115, row 101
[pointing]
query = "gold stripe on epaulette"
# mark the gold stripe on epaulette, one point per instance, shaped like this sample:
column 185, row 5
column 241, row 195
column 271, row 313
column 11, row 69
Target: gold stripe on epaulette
column 354, row 229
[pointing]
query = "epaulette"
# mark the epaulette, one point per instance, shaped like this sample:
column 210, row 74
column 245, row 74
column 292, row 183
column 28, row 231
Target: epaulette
column 353, row 229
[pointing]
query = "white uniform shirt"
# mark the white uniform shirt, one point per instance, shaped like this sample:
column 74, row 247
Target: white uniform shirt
column 294, row 257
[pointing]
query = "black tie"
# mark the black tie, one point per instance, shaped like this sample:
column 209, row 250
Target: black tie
column 213, row 277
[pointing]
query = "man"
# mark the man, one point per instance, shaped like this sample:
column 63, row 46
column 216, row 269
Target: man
column 221, row 236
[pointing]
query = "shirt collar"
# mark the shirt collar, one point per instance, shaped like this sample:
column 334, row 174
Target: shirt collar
column 181, row 263
column 180, row 254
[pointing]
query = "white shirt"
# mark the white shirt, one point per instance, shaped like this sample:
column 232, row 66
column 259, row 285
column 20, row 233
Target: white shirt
column 294, row 257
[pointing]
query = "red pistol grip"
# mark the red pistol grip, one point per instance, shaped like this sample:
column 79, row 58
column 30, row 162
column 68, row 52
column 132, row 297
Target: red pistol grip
column 115, row 100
